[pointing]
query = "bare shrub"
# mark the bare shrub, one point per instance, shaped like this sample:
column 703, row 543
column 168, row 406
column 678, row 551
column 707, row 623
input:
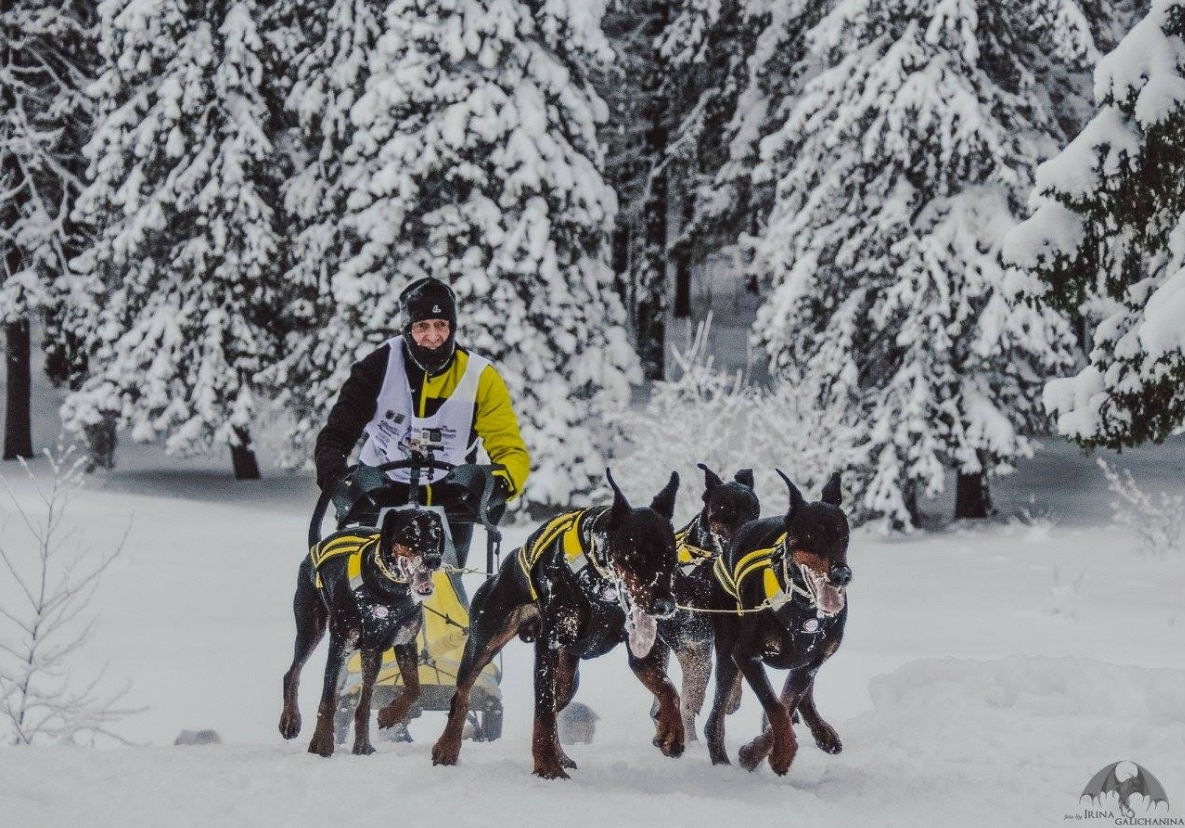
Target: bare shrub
column 707, row 415
column 46, row 619
column 1157, row 522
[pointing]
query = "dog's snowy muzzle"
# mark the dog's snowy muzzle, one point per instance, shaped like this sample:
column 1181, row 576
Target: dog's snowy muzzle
column 829, row 598
column 418, row 576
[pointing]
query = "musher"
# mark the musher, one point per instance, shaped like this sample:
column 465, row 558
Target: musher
column 421, row 385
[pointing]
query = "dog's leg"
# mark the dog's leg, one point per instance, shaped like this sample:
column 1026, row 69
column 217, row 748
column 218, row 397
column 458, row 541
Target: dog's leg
column 825, row 735
column 566, row 681
column 695, row 659
column 783, row 745
column 409, row 669
column 371, row 659
column 669, row 728
column 311, row 616
column 727, row 676
column 544, row 739
column 492, row 623
column 322, row 741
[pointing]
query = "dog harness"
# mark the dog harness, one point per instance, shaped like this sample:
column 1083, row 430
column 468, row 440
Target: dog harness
column 689, row 555
column 573, row 532
column 759, row 562
column 354, row 545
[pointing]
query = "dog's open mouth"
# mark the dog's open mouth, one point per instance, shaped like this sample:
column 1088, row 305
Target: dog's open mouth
column 829, row 598
column 418, row 575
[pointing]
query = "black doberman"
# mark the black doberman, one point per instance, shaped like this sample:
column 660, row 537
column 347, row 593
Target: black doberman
column 581, row 584
column 689, row 634
column 789, row 577
column 366, row 587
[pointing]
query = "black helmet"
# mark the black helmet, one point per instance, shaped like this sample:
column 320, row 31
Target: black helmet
column 429, row 298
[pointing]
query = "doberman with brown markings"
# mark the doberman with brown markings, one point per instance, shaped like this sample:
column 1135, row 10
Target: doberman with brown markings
column 789, row 578
column 366, row 587
column 582, row 583
column 687, row 633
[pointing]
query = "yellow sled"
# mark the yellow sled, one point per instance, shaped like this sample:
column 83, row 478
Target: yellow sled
column 441, row 643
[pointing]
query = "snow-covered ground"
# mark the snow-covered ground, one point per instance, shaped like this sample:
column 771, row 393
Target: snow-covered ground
column 987, row 673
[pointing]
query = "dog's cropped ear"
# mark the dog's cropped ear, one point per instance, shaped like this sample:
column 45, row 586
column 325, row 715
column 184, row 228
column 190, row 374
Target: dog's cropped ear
column 664, row 501
column 833, row 491
column 621, row 506
column 745, row 478
column 391, row 524
column 796, row 499
column 711, row 480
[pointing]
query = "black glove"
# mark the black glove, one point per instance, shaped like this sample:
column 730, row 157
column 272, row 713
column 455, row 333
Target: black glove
column 331, row 479
column 502, row 490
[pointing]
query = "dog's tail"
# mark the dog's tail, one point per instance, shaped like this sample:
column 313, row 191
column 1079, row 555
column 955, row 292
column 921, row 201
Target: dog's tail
column 318, row 516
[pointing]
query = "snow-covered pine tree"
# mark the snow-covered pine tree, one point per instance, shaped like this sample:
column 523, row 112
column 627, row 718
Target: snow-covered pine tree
column 182, row 269
column 474, row 159
column 898, row 170
column 1107, row 242
column 740, row 64
column 321, row 54
column 47, row 59
column 636, row 135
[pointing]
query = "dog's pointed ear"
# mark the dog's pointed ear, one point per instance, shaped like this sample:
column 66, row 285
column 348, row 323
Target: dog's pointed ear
column 711, row 479
column 387, row 531
column 796, row 499
column 833, row 491
column 664, row 501
column 745, row 478
column 621, row 506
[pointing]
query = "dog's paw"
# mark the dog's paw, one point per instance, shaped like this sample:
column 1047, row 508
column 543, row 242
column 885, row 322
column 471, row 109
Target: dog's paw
column 827, row 739
column 720, row 759
column 321, row 746
column 290, row 725
column 567, row 761
column 364, row 749
column 550, row 769
column 750, row 756
column 444, row 753
column 780, row 760
column 391, row 715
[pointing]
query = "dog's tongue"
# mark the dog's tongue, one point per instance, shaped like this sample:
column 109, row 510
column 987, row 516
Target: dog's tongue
column 642, row 629
column 830, row 599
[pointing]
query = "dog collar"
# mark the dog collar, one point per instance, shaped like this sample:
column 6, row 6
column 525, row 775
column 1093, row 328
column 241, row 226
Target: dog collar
column 382, row 567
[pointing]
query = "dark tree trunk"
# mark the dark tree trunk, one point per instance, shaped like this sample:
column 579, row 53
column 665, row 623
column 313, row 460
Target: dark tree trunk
column 620, row 261
column 973, row 499
column 101, row 439
column 18, row 424
column 652, row 287
column 243, row 457
column 682, row 255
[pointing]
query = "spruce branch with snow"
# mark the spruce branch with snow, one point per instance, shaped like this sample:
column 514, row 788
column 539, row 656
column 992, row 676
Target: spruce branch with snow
column 897, row 169
column 181, row 277
column 46, row 617
column 1106, row 242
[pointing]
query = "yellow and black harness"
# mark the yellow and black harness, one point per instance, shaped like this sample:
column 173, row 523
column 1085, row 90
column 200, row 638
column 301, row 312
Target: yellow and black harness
column 573, row 533
column 355, row 545
column 760, row 564
column 690, row 556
